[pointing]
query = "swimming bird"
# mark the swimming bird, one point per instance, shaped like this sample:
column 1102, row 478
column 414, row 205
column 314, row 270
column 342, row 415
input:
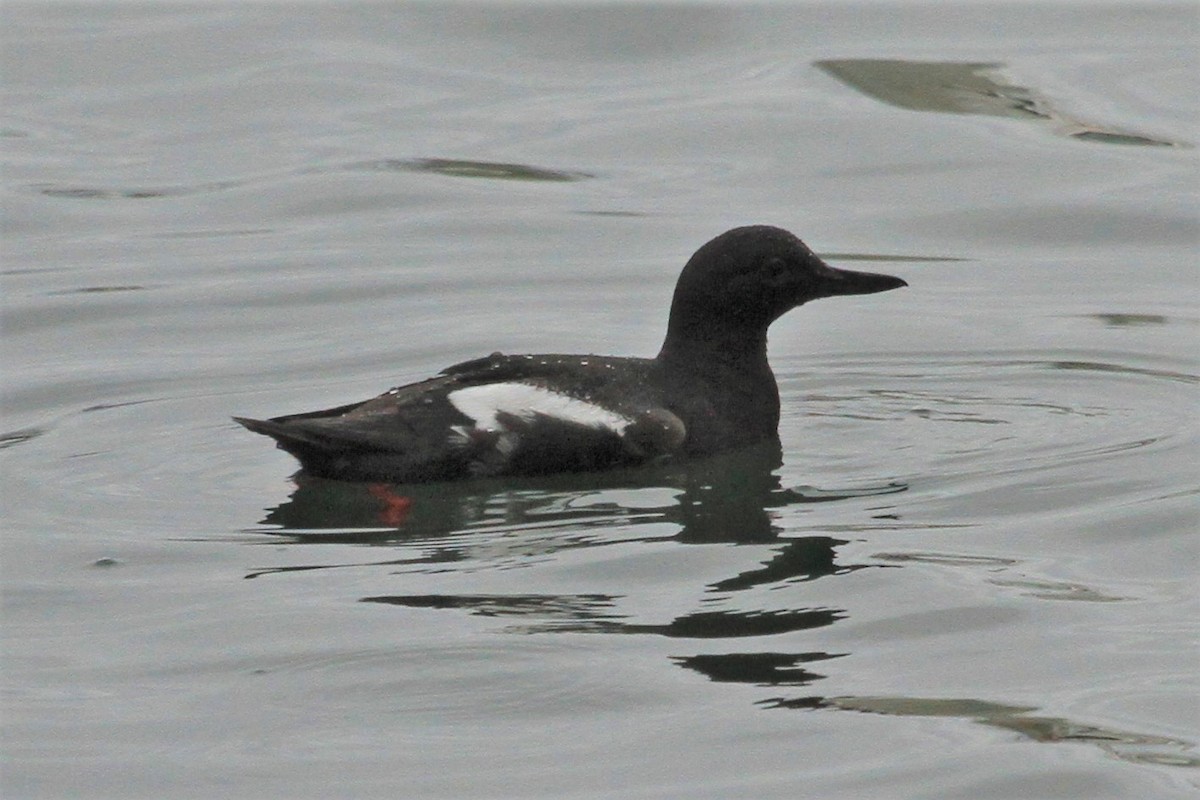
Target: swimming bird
column 709, row 390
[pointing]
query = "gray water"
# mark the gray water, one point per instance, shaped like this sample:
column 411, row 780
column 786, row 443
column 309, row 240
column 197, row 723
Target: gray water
column 973, row 576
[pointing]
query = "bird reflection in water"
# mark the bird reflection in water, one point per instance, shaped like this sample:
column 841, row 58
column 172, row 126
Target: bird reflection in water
column 728, row 499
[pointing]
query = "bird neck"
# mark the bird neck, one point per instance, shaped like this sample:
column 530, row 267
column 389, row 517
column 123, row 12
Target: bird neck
column 721, row 386
column 717, row 350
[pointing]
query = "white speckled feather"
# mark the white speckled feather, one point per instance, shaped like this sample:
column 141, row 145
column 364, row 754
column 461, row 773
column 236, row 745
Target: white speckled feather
column 483, row 403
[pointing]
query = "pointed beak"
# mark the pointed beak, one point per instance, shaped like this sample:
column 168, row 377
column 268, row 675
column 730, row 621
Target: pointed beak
column 833, row 281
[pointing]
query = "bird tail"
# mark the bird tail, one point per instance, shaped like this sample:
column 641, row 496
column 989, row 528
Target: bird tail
column 301, row 441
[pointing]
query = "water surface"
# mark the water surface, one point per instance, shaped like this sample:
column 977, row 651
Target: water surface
column 972, row 576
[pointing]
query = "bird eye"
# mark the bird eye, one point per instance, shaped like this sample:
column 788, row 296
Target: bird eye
column 776, row 270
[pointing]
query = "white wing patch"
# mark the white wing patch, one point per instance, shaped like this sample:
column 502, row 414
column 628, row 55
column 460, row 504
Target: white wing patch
column 483, row 403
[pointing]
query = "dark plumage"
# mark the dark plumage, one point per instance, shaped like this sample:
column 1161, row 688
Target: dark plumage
column 709, row 390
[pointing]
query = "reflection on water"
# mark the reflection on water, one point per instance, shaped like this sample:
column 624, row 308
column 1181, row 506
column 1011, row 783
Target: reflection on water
column 455, row 168
column 573, row 607
column 722, row 499
column 1129, row 320
column 1136, row 747
column 759, row 669
column 129, row 193
column 20, row 436
column 592, row 614
column 1030, row 587
column 763, row 669
column 968, row 88
column 725, row 500
column 459, row 168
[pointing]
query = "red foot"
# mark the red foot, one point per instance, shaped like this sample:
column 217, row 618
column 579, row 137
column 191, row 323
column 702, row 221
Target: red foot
column 395, row 507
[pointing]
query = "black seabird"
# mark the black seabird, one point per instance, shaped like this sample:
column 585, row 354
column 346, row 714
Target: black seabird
column 709, row 390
